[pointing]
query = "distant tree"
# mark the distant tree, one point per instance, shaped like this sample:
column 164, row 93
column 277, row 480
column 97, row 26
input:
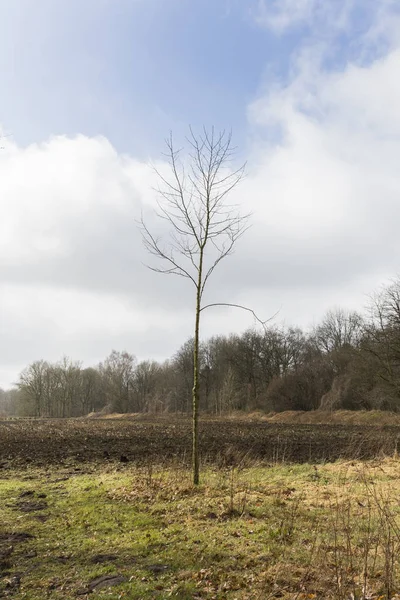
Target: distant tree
column 3, row 403
column 382, row 338
column 9, row 402
column 117, row 373
column 203, row 228
column 339, row 329
column 257, row 357
column 13, row 398
column 90, row 392
column 301, row 389
column 145, row 383
column 220, row 382
column 32, row 385
column 66, row 386
column 164, row 396
column 183, row 361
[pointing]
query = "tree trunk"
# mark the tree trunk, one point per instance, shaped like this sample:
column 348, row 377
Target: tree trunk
column 195, row 400
column 196, row 378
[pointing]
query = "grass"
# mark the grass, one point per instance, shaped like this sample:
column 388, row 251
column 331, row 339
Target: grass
column 247, row 532
column 311, row 417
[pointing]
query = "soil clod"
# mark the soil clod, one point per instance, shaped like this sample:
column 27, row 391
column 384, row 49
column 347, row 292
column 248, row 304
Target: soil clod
column 103, row 558
column 33, row 506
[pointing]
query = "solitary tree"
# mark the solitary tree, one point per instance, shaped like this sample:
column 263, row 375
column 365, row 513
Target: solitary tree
column 202, row 227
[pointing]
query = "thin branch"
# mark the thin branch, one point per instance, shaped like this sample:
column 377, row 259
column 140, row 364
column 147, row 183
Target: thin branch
column 262, row 323
column 224, row 252
column 153, row 247
column 194, row 207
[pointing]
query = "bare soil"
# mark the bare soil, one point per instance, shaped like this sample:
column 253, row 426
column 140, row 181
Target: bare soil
column 25, row 442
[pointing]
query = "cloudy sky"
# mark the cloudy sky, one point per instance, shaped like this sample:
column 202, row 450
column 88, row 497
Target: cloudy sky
column 89, row 91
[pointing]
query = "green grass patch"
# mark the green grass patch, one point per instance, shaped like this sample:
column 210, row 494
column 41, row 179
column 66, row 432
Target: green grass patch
column 281, row 531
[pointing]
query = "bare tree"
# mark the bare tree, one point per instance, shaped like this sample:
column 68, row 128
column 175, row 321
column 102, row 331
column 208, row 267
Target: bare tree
column 339, row 329
column 117, row 374
column 32, row 385
column 383, row 333
column 203, row 227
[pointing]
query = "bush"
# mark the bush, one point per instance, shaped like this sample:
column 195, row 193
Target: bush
column 300, row 390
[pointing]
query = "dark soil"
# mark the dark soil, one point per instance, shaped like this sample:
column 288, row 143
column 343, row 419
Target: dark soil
column 56, row 441
column 28, row 507
column 13, row 538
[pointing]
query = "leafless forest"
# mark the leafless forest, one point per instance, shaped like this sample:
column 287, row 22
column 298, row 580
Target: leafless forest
column 349, row 361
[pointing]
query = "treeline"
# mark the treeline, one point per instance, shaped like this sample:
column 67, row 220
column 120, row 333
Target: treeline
column 349, row 361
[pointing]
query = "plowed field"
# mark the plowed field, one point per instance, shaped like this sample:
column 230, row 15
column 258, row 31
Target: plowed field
column 53, row 441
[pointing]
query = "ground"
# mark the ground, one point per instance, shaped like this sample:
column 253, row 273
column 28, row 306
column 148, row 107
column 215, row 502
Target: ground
column 143, row 438
column 93, row 525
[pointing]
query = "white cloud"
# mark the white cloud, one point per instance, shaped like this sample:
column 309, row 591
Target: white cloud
column 280, row 15
column 71, row 276
column 328, row 193
column 334, row 30
column 325, row 196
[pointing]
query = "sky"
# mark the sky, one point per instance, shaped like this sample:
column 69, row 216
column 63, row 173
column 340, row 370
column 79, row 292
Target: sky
column 90, row 89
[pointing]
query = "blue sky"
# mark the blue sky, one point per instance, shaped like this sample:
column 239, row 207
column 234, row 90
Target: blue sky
column 133, row 69
column 89, row 91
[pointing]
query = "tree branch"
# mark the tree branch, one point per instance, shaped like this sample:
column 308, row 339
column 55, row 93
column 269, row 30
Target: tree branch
column 262, row 323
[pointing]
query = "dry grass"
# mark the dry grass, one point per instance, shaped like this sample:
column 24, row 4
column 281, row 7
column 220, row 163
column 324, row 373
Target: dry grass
column 247, row 532
column 340, row 417
column 315, row 417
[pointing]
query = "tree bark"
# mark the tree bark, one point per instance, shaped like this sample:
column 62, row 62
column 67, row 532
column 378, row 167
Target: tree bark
column 196, row 378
